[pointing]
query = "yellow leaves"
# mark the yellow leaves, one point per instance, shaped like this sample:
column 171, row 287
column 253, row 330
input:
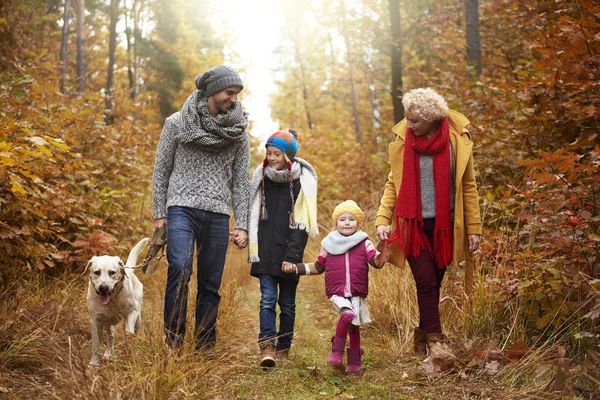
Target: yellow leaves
column 58, row 143
column 6, row 156
column 16, row 186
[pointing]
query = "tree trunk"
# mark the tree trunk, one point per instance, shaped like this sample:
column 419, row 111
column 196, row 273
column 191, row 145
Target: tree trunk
column 473, row 42
column 112, row 44
column 80, row 14
column 63, row 46
column 396, row 60
column 129, row 41
column 375, row 113
column 350, row 61
column 137, row 9
column 304, row 88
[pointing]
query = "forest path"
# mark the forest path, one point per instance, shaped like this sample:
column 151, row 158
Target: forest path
column 306, row 375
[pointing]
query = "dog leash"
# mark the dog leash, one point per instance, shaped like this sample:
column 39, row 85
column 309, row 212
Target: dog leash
column 156, row 246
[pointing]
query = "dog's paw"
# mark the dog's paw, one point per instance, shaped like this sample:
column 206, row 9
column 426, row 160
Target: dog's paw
column 107, row 355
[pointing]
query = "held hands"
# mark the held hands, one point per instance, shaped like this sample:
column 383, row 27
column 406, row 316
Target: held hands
column 239, row 237
column 288, row 267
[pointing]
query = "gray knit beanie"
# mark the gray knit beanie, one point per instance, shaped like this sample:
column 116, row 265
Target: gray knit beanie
column 217, row 79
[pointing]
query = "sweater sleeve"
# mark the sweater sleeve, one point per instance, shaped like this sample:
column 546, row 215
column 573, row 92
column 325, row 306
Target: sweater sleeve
column 310, row 269
column 315, row 268
column 241, row 186
column 163, row 166
column 471, row 199
column 370, row 249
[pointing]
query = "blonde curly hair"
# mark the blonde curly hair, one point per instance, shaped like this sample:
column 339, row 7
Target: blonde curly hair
column 425, row 103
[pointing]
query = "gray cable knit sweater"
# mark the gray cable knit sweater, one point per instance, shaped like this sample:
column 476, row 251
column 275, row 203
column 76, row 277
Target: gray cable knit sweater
column 187, row 175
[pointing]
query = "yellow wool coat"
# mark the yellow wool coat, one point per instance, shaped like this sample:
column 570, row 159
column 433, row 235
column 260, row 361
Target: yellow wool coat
column 467, row 218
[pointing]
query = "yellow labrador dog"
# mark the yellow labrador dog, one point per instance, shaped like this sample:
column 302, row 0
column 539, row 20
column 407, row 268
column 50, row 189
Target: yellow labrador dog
column 114, row 293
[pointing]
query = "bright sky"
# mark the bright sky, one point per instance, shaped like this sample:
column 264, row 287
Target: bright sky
column 257, row 25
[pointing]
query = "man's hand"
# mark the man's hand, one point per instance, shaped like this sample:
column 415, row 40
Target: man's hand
column 239, row 237
column 383, row 231
column 159, row 223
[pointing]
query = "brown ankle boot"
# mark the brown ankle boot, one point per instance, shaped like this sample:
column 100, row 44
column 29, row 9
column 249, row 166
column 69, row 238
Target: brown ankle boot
column 267, row 353
column 282, row 355
column 433, row 338
column 420, row 346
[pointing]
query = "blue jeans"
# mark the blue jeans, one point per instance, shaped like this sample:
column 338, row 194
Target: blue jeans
column 282, row 340
column 210, row 232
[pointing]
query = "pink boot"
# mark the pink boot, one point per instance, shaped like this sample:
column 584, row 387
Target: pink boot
column 336, row 357
column 354, row 361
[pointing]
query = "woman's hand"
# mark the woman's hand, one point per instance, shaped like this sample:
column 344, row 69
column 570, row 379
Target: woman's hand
column 383, row 231
column 474, row 243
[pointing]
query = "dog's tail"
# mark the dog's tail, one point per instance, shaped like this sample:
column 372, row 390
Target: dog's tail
column 135, row 253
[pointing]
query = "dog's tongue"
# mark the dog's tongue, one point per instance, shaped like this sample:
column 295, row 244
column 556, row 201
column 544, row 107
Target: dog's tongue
column 103, row 298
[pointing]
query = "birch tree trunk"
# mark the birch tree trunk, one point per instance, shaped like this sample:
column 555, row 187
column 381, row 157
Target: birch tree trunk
column 350, row 61
column 137, row 9
column 112, row 44
column 80, row 15
column 396, row 60
column 63, row 46
column 304, row 88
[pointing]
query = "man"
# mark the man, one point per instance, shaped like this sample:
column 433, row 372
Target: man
column 202, row 167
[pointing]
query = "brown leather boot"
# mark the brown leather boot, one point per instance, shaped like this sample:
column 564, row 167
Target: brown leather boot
column 267, row 351
column 433, row 338
column 420, row 346
column 283, row 355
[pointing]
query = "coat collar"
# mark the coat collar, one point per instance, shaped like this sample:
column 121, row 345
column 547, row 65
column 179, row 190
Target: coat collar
column 457, row 121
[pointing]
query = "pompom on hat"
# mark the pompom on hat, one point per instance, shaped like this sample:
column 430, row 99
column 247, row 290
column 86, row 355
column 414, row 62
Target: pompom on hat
column 348, row 207
column 218, row 79
column 286, row 141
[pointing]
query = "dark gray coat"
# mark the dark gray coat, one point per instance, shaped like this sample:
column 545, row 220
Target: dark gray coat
column 277, row 242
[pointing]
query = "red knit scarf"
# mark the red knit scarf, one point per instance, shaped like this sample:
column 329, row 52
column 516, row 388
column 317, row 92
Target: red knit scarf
column 409, row 235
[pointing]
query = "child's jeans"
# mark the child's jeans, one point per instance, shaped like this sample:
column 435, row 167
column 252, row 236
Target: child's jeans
column 428, row 278
column 281, row 339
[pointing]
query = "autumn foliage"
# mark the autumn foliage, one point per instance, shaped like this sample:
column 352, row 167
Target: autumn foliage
column 72, row 186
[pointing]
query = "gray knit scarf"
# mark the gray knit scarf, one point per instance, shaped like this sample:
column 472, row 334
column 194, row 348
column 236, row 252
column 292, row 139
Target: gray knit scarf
column 282, row 175
column 210, row 133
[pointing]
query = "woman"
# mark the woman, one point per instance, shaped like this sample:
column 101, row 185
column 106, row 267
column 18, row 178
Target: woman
column 431, row 195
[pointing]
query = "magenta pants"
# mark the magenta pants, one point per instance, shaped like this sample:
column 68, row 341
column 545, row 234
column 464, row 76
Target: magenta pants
column 428, row 278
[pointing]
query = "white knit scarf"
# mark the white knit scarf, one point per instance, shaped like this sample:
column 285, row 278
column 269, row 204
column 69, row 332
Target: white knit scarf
column 335, row 243
column 305, row 207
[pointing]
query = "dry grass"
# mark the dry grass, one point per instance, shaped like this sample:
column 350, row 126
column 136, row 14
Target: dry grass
column 45, row 345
